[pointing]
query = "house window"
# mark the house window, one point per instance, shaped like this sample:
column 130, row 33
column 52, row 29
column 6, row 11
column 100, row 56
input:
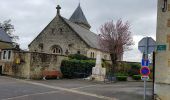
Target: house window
column 9, row 54
column 164, row 6
column 6, row 54
column 56, row 49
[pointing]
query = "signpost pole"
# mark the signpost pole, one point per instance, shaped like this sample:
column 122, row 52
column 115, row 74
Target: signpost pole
column 144, row 89
column 146, row 46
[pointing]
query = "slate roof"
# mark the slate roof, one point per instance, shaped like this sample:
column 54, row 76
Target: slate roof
column 79, row 17
column 89, row 37
column 4, row 37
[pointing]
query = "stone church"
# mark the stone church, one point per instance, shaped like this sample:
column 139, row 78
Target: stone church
column 68, row 36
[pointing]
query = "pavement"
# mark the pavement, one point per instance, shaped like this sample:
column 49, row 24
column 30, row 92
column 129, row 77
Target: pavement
column 74, row 89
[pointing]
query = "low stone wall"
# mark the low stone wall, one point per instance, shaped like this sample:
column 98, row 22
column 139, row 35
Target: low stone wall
column 31, row 64
column 41, row 62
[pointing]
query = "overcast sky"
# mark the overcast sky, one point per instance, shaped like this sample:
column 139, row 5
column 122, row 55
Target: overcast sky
column 30, row 16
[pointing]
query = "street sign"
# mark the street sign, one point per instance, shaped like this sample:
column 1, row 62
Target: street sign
column 145, row 62
column 161, row 47
column 145, row 71
column 144, row 78
column 147, row 45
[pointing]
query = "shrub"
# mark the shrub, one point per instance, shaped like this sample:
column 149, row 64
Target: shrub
column 77, row 68
column 136, row 77
column 78, row 57
column 121, row 74
column 121, row 78
column 135, row 69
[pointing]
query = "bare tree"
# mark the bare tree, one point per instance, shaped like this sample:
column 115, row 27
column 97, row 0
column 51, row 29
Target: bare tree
column 9, row 29
column 115, row 39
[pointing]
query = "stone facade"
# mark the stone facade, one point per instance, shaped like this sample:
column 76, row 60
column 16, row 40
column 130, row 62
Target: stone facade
column 59, row 34
column 162, row 86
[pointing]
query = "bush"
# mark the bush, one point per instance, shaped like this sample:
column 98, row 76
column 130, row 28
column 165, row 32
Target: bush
column 135, row 69
column 136, row 77
column 77, row 68
column 121, row 74
column 78, row 57
column 121, row 78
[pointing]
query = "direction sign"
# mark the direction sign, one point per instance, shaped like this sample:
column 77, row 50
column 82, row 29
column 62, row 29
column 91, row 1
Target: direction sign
column 147, row 45
column 145, row 62
column 145, row 71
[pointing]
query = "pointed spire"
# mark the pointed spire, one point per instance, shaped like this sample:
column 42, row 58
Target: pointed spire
column 78, row 17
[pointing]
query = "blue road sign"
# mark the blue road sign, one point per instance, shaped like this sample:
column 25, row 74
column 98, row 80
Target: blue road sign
column 145, row 71
column 145, row 62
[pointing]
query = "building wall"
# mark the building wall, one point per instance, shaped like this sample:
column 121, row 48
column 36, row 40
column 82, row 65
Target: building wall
column 12, row 68
column 92, row 52
column 163, row 57
column 59, row 33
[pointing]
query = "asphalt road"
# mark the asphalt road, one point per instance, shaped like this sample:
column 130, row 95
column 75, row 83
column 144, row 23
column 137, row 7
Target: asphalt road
column 15, row 89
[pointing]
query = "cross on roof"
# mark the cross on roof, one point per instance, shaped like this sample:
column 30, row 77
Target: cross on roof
column 58, row 9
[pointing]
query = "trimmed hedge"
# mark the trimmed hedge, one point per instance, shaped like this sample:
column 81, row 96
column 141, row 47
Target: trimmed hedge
column 135, row 69
column 121, row 78
column 78, row 57
column 77, row 68
column 136, row 77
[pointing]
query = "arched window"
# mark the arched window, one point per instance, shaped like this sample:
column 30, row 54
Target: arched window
column 56, row 49
column 41, row 46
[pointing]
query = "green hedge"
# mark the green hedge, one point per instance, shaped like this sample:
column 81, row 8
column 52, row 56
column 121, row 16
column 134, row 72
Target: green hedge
column 121, row 78
column 78, row 57
column 135, row 69
column 77, row 68
column 136, row 77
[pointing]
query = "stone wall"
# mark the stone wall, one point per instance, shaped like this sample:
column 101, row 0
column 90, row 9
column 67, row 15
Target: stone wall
column 42, row 61
column 31, row 64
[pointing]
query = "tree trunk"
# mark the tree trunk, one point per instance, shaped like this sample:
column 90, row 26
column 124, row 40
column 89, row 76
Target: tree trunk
column 114, row 61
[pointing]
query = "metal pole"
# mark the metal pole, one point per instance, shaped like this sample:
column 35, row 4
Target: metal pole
column 144, row 89
column 153, row 74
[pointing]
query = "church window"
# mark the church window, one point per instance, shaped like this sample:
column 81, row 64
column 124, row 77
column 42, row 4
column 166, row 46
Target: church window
column 78, row 52
column 52, row 30
column 67, row 52
column 56, row 49
column 60, row 30
column 92, row 55
column 41, row 46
